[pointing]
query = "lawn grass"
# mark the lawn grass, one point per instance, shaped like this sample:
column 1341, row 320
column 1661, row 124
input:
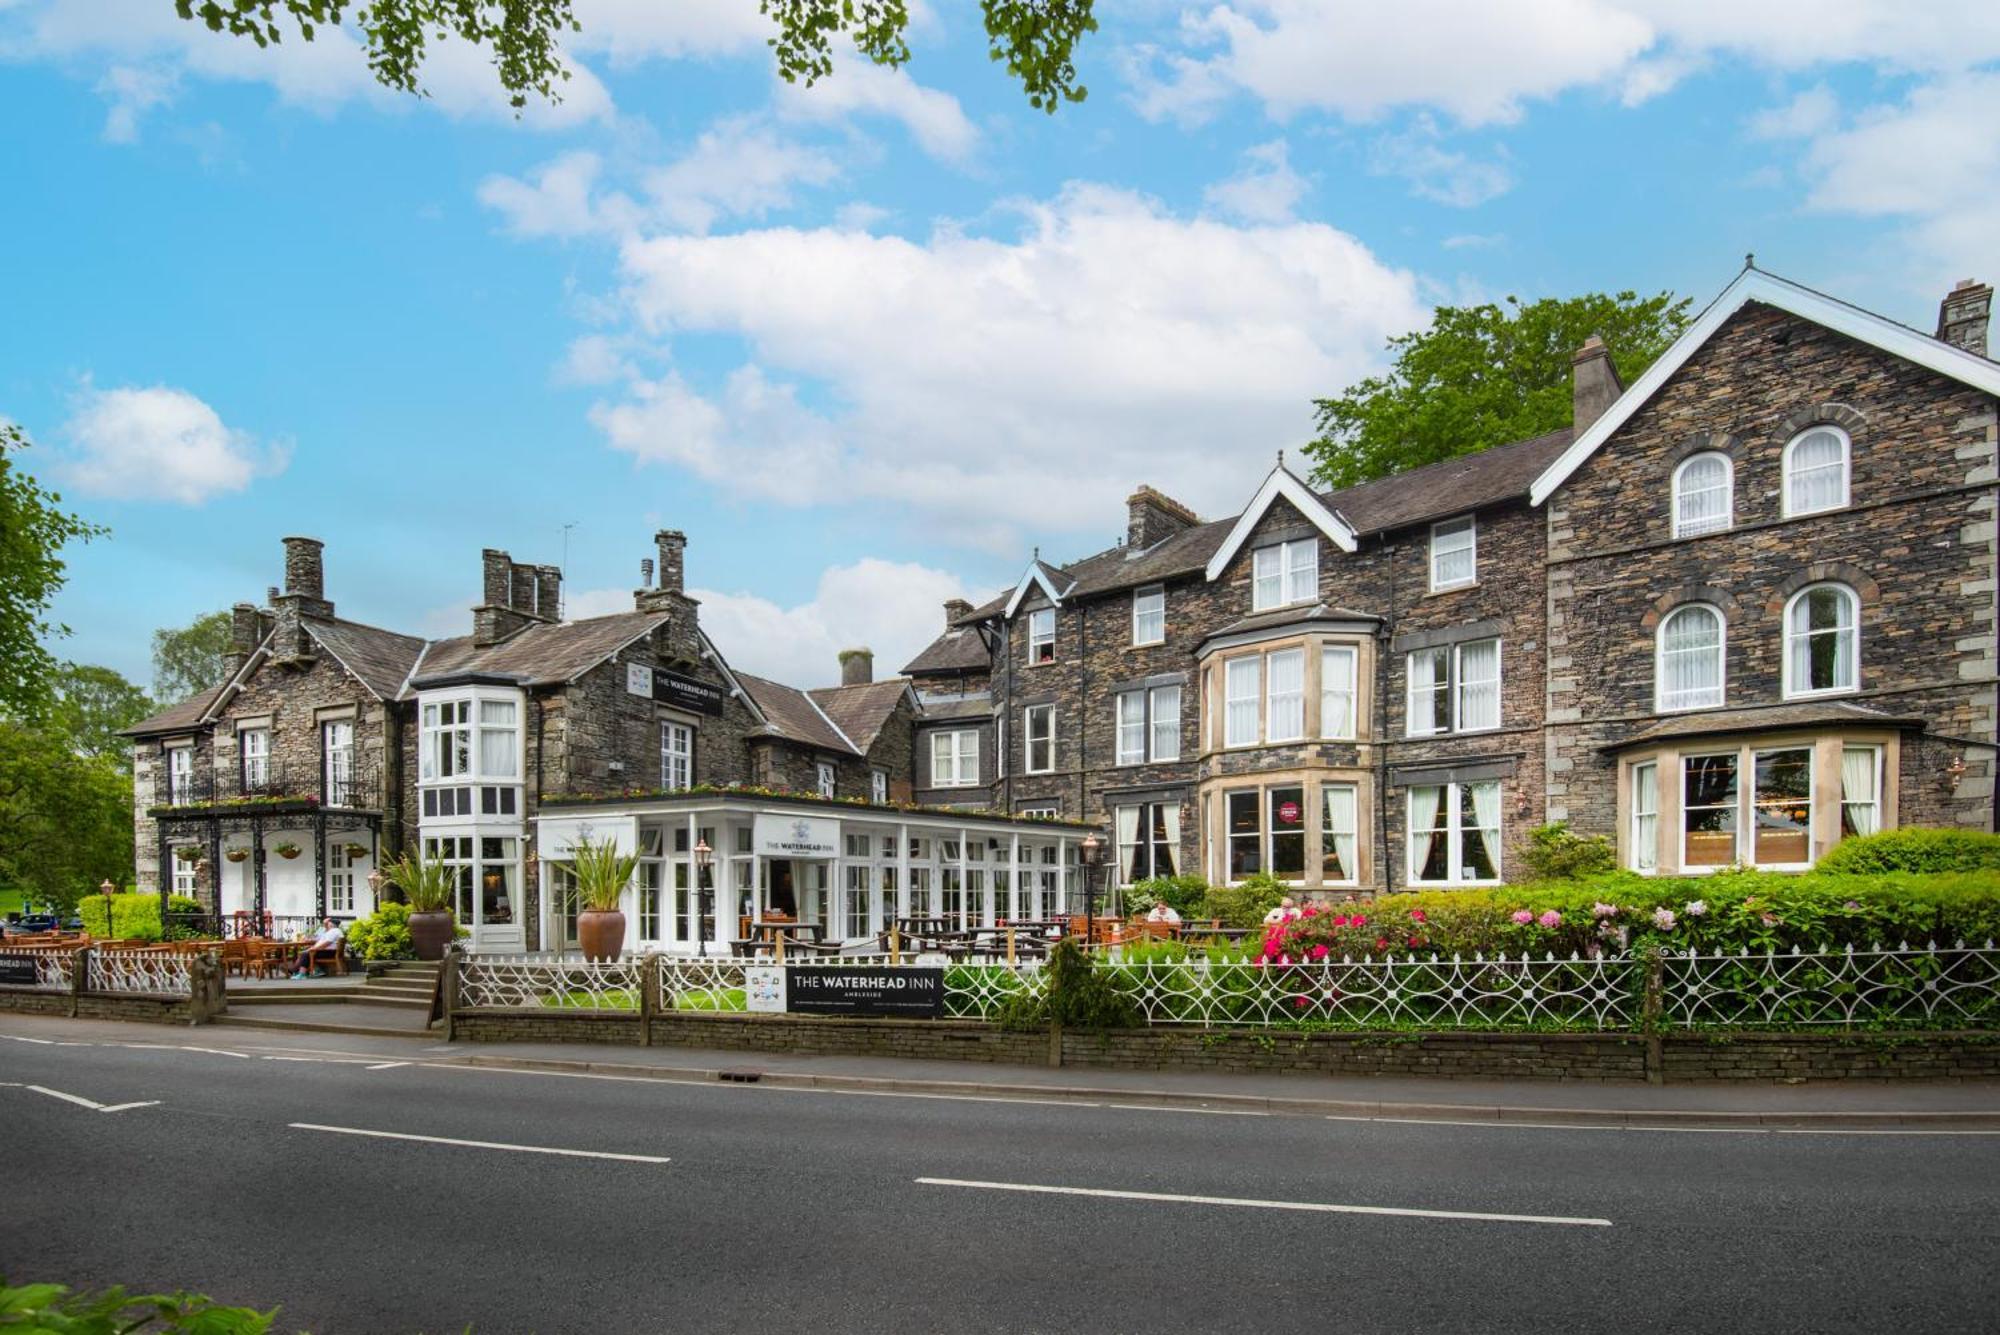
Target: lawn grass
column 582, row 998
column 711, row 999
column 13, row 901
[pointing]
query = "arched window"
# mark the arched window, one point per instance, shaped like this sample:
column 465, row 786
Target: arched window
column 1704, row 495
column 1816, row 471
column 1688, row 673
column 1822, row 640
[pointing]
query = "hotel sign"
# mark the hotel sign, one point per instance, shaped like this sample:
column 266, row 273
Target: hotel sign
column 908, row 994
column 779, row 836
column 674, row 688
column 18, row 971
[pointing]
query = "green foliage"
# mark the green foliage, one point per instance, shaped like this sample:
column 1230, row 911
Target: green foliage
column 33, row 532
column 1078, row 995
column 1245, row 903
column 427, row 886
column 56, row 1309
column 91, row 705
column 1035, row 39
column 1482, row 376
column 65, row 818
column 1184, row 894
column 135, row 916
column 1914, row 849
column 191, row 658
column 1552, row 853
column 383, row 935
column 601, row 873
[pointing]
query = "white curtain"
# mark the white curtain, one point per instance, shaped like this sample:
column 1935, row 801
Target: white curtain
column 1132, row 728
column 1858, row 785
column 1691, row 658
column 1167, row 723
column 1424, row 833
column 1816, row 471
column 1341, row 822
column 1286, row 716
column 1165, row 857
column 1703, row 500
column 1479, row 685
column 1128, row 845
column 1423, row 692
column 1242, row 680
column 1646, row 817
column 1336, row 692
column 1486, row 808
column 1269, row 578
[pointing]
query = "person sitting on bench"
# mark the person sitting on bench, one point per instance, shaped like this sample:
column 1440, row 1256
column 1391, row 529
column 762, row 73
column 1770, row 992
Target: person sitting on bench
column 328, row 944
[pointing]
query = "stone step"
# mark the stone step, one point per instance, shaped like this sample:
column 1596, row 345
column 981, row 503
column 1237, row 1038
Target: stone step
column 322, row 996
column 397, row 990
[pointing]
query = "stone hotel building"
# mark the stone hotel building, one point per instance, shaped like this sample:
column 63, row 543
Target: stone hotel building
column 1741, row 608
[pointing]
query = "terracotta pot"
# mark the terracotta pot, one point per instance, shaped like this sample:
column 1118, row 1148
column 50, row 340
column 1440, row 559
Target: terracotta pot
column 431, row 933
column 601, row 933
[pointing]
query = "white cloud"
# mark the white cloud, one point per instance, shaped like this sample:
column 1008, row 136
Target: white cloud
column 557, row 200
column 1812, row 112
column 1435, row 172
column 596, row 359
column 159, row 444
column 1267, row 190
column 970, row 381
column 133, row 90
column 632, row 31
column 857, row 87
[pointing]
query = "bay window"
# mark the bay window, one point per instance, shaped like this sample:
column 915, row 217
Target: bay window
column 499, row 739
column 469, row 749
column 1822, row 641
column 1340, row 828
column 1149, row 725
column 1285, row 699
column 955, row 758
column 1645, row 847
column 1149, row 840
column 1709, row 801
column 1336, row 690
column 1246, row 833
column 1284, row 573
column 1860, row 790
column 1688, row 659
column 1241, row 683
column 1454, row 554
column 1039, row 734
column 1455, row 833
column 1781, row 811
column 1267, row 832
column 1149, row 615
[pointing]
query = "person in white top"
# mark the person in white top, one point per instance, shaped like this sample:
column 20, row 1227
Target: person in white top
column 1285, row 911
column 1164, row 912
column 330, row 941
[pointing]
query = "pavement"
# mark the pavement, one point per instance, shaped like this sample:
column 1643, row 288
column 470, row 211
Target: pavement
column 386, row 1184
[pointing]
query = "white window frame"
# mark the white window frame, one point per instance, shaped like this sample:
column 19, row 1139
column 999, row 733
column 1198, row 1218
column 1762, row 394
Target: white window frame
column 1233, row 694
column 1410, row 692
column 1330, row 688
column 336, row 761
column 1163, row 733
column 180, row 775
column 1044, row 810
column 1683, row 526
column 1328, row 832
column 1793, row 690
column 878, row 786
column 339, row 878
column 955, row 758
column 676, row 754
column 1792, row 511
column 1029, row 740
column 1290, row 572
column 1453, row 689
column 1041, row 635
column 1149, row 615
column 1272, row 698
column 1459, row 683
column 1745, row 832
column 1153, row 733
column 1660, row 705
column 253, row 757
column 1876, row 753
column 1450, row 794
column 1449, row 528
column 827, row 777
column 1644, row 850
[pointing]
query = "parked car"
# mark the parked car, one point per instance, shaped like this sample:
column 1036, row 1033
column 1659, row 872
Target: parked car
column 32, row 923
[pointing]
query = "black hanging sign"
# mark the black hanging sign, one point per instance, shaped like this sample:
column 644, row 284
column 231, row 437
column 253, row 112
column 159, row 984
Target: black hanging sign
column 685, row 692
column 18, row 971
column 908, row 994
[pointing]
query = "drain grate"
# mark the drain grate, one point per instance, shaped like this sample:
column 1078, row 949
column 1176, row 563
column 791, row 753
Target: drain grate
column 739, row 1077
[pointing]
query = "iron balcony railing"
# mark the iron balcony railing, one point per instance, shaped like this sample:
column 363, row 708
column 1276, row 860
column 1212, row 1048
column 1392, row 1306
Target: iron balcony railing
column 355, row 787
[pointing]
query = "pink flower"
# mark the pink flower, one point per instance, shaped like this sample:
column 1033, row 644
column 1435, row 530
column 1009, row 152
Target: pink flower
column 1312, row 911
column 1381, row 943
column 1550, row 919
column 1360, row 920
column 1603, row 910
column 1663, row 919
column 1417, row 915
column 1300, row 1002
column 1523, row 917
column 1696, row 908
column 1415, row 943
column 1319, row 952
column 1340, row 921
column 1770, row 919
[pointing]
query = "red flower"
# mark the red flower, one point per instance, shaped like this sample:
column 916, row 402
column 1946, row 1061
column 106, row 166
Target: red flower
column 1381, row 943
column 1311, row 911
column 1417, row 915
column 1414, row 943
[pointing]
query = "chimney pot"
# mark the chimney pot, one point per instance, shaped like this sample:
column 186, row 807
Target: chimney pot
column 1594, row 383
column 646, row 573
column 1964, row 314
column 857, row 667
column 1152, row 515
column 304, row 572
column 954, row 608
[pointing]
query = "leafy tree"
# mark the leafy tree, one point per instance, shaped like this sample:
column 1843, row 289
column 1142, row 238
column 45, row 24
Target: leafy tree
column 92, row 704
column 33, row 532
column 190, row 659
column 65, row 818
column 1482, row 376
column 1035, row 39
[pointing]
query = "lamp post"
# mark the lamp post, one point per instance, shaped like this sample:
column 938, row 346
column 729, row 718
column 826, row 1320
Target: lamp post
column 107, row 890
column 704, row 861
column 1093, row 857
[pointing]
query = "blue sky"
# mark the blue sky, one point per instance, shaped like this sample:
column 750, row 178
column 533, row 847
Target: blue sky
column 869, row 343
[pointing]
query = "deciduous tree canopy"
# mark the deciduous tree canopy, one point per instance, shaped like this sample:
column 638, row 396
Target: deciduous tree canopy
column 190, row 659
column 33, row 532
column 1482, row 376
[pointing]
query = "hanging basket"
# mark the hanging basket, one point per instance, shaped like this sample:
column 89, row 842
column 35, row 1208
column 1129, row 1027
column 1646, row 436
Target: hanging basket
column 287, row 851
column 237, row 854
column 357, row 850
column 188, row 853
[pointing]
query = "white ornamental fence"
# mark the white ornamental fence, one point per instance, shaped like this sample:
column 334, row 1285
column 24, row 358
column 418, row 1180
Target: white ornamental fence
column 40, row 970
column 1903, row 987
column 156, row 973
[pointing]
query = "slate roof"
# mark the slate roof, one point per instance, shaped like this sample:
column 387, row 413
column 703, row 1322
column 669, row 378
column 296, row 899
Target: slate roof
column 971, row 706
column 861, row 711
column 1809, row 714
column 959, row 649
column 382, row 659
column 1291, row 616
column 175, row 718
column 793, row 715
column 543, row 654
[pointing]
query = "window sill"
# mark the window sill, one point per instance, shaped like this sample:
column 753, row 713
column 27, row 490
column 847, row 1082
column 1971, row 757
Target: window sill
column 1832, row 692
column 1146, row 644
column 1451, row 588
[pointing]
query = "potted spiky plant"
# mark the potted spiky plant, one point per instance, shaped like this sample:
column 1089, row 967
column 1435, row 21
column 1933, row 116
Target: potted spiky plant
column 427, row 887
column 601, row 873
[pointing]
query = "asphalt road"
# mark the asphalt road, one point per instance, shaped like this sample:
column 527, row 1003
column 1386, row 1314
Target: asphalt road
column 781, row 1210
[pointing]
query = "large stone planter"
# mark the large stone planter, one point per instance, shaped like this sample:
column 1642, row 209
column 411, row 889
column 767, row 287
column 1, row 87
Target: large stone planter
column 431, row 933
column 601, row 933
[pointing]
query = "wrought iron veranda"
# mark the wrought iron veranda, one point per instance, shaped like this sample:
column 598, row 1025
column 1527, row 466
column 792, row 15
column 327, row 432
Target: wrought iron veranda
column 1925, row 987
column 1391, row 993
column 532, row 981
column 155, row 972
column 55, row 970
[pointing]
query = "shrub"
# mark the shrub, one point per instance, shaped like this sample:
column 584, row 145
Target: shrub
column 54, row 1307
column 1552, row 853
column 135, row 916
column 1914, row 850
column 1184, row 894
column 1078, row 996
column 385, row 936
column 1245, row 903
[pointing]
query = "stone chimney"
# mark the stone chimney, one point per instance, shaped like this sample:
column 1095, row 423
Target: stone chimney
column 1151, row 516
column 305, row 575
column 246, row 629
column 857, row 667
column 1963, row 315
column 548, row 592
column 954, row 608
column 1594, row 383
column 670, row 594
column 509, row 597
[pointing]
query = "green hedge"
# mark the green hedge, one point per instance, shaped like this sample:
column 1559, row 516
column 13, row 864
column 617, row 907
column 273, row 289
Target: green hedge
column 1914, row 850
column 134, row 916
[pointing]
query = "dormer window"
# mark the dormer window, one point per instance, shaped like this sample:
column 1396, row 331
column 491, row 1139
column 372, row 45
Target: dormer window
column 1042, row 636
column 1454, row 554
column 1284, row 573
